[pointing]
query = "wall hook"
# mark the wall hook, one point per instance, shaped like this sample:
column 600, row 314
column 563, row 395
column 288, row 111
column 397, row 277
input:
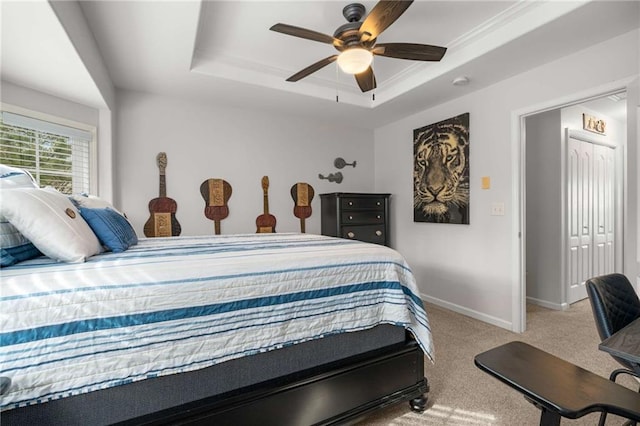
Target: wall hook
column 339, row 163
column 333, row 177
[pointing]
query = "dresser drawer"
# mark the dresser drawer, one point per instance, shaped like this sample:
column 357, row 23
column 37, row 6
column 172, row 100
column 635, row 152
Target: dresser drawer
column 365, row 217
column 355, row 203
column 366, row 233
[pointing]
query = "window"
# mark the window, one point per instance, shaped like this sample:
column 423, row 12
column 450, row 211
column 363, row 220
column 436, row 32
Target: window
column 55, row 154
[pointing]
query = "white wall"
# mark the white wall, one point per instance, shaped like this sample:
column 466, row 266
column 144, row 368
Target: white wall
column 238, row 145
column 75, row 25
column 543, row 208
column 72, row 19
column 48, row 104
column 473, row 269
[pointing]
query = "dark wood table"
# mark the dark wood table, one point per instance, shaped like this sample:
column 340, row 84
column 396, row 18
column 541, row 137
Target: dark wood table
column 625, row 343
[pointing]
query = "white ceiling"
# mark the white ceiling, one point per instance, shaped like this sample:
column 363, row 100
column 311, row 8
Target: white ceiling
column 223, row 52
column 37, row 53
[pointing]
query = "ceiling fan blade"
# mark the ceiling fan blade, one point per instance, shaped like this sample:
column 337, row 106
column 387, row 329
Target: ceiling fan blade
column 305, row 33
column 312, row 68
column 383, row 14
column 366, row 80
column 413, row 51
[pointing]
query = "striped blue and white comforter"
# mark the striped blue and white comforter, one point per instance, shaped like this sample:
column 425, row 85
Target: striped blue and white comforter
column 170, row 305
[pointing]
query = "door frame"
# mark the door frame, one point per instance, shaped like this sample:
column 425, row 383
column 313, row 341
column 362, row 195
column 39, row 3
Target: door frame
column 518, row 189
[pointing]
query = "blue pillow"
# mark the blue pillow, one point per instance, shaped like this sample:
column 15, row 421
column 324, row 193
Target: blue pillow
column 112, row 229
column 12, row 255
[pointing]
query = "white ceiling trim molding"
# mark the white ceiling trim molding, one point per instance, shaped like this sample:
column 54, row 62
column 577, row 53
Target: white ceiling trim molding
column 513, row 23
column 517, row 11
column 249, row 72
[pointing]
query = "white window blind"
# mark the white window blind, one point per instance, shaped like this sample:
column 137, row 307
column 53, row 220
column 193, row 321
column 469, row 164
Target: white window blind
column 56, row 155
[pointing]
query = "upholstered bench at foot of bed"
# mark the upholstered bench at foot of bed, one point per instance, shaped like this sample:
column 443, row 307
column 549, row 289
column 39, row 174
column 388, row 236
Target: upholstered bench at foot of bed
column 557, row 387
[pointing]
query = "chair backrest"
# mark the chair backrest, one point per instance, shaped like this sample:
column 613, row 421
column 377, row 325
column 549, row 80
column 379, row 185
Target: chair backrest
column 614, row 303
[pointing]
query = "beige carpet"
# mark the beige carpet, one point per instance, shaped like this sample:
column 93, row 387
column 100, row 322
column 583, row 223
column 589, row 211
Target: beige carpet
column 463, row 395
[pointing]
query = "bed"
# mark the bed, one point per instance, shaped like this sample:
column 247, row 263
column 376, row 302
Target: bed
column 238, row 329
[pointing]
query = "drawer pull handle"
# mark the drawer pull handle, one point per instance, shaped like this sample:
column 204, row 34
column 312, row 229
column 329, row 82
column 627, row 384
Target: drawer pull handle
column 378, row 203
column 350, row 217
column 379, row 217
column 351, row 235
column 350, row 203
column 378, row 233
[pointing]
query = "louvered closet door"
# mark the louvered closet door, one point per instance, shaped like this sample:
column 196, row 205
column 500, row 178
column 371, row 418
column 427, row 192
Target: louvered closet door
column 590, row 214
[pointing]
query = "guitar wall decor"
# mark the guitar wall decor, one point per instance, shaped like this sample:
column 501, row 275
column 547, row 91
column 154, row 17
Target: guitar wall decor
column 266, row 222
column 162, row 222
column 339, row 163
column 216, row 194
column 332, row 177
column 302, row 194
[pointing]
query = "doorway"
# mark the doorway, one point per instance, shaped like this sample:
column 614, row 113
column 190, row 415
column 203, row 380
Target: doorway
column 571, row 199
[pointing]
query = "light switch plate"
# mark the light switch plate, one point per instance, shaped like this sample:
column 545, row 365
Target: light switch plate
column 486, row 182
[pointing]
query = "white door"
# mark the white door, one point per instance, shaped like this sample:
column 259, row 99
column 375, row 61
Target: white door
column 579, row 192
column 590, row 214
column 603, row 247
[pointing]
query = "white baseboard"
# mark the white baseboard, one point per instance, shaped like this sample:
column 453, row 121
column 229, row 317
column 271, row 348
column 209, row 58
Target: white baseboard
column 468, row 312
column 547, row 304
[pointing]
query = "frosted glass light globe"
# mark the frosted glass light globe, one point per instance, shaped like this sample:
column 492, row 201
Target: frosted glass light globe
column 355, row 60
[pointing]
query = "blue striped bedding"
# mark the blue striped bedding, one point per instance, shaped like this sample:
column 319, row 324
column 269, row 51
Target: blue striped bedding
column 170, row 305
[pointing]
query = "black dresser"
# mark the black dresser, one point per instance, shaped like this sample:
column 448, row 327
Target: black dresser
column 363, row 217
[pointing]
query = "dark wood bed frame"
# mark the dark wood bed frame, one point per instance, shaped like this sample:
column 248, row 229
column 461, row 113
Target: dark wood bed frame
column 342, row 392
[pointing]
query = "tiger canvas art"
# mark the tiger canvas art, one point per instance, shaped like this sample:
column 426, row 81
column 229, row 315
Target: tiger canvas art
column 441, row 171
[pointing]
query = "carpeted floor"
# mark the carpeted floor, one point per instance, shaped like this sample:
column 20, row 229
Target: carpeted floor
column 463, row 395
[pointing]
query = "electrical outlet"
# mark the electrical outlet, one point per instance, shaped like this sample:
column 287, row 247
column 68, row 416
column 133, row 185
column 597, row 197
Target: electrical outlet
column 497, row 209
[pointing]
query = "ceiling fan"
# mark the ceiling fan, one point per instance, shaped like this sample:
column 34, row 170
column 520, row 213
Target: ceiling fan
column 356, row 42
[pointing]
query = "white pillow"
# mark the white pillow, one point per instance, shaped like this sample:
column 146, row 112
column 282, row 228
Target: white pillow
column 92, row 202
column 51, row 222
column 13, row 177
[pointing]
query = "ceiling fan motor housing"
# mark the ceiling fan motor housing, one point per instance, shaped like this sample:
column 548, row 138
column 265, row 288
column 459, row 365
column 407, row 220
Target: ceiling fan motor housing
column 349, row 34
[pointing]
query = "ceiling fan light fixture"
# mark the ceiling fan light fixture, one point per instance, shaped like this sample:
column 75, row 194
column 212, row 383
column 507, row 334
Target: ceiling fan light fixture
column 355, row 60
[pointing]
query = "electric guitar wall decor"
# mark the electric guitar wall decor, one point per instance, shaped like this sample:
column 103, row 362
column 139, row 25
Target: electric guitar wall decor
column 266, row 222
column 162, row 222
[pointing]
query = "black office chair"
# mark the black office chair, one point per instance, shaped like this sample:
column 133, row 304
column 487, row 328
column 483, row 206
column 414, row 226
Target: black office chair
column 615, row 304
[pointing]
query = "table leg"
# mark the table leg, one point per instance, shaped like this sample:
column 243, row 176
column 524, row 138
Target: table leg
column 549, row 418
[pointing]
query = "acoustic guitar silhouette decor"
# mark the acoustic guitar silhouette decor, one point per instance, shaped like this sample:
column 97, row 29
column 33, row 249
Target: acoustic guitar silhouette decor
column 163, row 221
column 302, row 194
column 266, row 222
column 216, row 194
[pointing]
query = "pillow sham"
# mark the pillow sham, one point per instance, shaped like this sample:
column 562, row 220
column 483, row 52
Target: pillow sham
column 14, row 247
column 112, row 229
column 51, row 222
